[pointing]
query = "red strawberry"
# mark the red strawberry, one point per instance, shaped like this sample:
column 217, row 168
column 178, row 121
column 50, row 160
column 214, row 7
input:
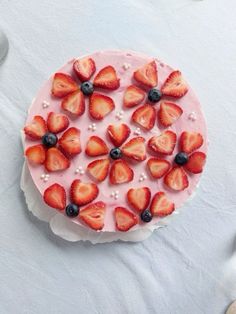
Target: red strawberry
column 145, row 116
column 100, row 106
column 125, row 219
column 107, row 78
column 57, row 122
column 93, row 215
column 133, row 96
column 158, row 167
column 196, row 162
column 70, row 141
column 63, row 84
column 120, row 172
column 163, row 143
column 55, row 160
column 174, row 86
column 84, row 68
column 135, row 149
column 147, row 74
column 168, row 113
column 98, row 169
column 37, row 128
column 36, row 154
column 96, row 147
column 83, row 193
column 55, row 196
column 161, row 206
column 176, row 179
column 190, row 141
column 74, row 103
column 118, row 133
column 139, row 198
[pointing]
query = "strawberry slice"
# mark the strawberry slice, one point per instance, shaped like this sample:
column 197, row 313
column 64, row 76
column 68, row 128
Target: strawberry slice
column 107, row 78
column 83, row 193
column 36, row 129
column 96, row 147
column 118, row 133
column 125, row 219
column 55, row 196
column 174, row 86
column 62, row 85
column 168, row 113
column 133, row 96
column 74, row 103
column 55, row 160
column 93, row 215
column 98, row 169
column 163, row 143
column 145, row 116
column 158, row 167
column 36, row 154
column 147, row 74
column 84, row 68
column 161, row 206
column 190, row 141
column 70, row 141
column 100, row 106
column 176, row 179
column 135, row 149
column 120, row 172
column 139, row 198
column 57, row 122
column 196, row 162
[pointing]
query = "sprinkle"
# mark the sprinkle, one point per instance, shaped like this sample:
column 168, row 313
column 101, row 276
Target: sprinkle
column 126, row 66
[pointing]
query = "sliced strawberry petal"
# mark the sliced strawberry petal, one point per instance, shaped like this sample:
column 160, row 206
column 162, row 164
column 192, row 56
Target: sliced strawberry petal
column 36, row 129
column 133, row 96
column 120, row 172
column 145, row 116
column 74, row 103
column 57, row 122
column 70, row 141
column 158, row 167
column 96, row 147
column 55, row 196
column 125, row 219
column 83, row 193
column 190, row 141
column 163, row 143
column 36, row 154
column 176, row 179
column 55, row 160
column 62, row 85
column 100, row 106
column 139, row 198
column 169, row 113
column 98, row 169
column 93, row 215
column 174, row 86
column 118, row 133
column 161, row 206
column 135, row 149
column 147, row 74
column 84, row 68
column 107, row 78
column 196, row 162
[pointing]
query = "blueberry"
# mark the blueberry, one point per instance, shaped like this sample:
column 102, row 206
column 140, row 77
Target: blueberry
column 49, row 140
column 146, row 215
column 154, row 95
column 115, row 153
column 72, row 210
column 87, row 88
column 181, row 158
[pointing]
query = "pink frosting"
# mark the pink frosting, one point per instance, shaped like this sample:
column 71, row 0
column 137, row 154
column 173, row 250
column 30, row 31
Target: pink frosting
column 189, row 103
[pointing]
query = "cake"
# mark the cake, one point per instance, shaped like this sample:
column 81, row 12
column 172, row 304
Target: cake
column 115, row 141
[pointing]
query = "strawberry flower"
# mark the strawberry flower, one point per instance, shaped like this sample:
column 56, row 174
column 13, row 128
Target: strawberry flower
column 52, row 152
column 145, row 115
column 73, row 95
column 120, row 171
column 187, row 160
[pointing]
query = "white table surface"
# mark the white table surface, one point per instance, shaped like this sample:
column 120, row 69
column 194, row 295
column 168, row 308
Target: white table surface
column 179, row 270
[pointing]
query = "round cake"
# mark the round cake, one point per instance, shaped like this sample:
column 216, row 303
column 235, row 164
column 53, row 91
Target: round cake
column 115, row 141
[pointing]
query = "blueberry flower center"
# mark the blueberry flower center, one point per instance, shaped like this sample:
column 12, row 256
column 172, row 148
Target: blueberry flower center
column 181, row 158
column 49, row 139
column 154, row 95
column 115, row 153
column 87, row 88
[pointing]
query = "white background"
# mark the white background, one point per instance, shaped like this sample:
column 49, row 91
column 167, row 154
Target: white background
column 179, row 269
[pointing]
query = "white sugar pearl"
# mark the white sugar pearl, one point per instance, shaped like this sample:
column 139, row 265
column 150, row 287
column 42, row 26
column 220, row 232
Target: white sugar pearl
column 112, row 194
column 45, row 179
column 47, row 175
column 117, row 192
column 94, row 124
column 141, row 179
column 80, row 168
column 42, row 176
column 76, row 170
column 126, row 66
column 89, row 127
column 145, row 177
column 116, row 197
column 81, row 171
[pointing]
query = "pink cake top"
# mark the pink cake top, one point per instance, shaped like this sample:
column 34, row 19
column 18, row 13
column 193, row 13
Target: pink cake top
column 159, row 102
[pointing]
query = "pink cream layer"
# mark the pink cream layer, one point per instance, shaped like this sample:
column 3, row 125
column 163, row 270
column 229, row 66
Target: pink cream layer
column 125, row 64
